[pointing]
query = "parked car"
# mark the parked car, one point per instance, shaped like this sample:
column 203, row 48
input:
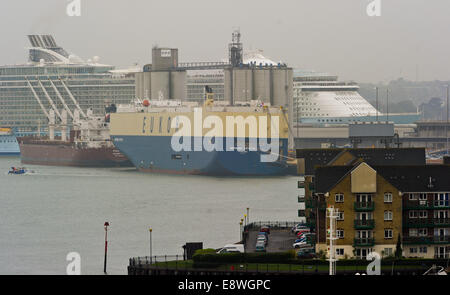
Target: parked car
column 298, row 226
column 301, row 244
column 263, row 233
column 262, row 238
column 300, row 240
column 265, row 228
column 302, row 233
column 306, row 253
column 260, row 247
column 299, row 230
column 231, row 248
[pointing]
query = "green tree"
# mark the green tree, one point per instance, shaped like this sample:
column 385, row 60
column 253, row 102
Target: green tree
column 398, row 248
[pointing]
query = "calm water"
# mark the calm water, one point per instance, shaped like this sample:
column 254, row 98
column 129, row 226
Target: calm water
column 62, row 209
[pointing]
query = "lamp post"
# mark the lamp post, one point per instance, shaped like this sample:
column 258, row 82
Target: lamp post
column 248, row 215
column 245, row 220
column 106, row 244
column 446, row 124
column 150, row 231
column 387, row 105
column 240, row 230
column 376, row 97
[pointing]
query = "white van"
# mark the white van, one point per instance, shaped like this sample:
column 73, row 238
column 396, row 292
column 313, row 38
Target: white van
column 230, row 248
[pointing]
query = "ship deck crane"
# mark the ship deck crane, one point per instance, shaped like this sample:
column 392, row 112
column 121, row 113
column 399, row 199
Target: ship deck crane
column 61, row 98
column 50, row 100
column 73, row 98
column 38, row 99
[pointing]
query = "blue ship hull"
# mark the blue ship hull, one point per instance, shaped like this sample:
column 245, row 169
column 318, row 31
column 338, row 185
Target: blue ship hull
column 155, row 154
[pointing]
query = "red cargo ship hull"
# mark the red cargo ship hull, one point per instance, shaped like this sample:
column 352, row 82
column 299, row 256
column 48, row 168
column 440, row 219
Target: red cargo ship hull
column 68, row 154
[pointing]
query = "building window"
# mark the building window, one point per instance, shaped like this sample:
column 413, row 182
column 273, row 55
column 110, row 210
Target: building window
column 413, row 232
column 422, row 232
column 388, row 197
column 413, row 214
column 339, row 251
column 422, row 197
column 388, row 233
column 387, row 215
column 340, row 233
column 423, row 250
column 412, row 197
column 339, row 198
column 423, row 214
column 413, row 250
column 340, row 216
column 387, row 251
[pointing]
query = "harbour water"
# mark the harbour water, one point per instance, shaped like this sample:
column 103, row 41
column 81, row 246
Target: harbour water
column 57, row 210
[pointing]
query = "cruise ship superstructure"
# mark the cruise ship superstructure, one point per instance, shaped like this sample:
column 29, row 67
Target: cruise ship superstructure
column 51, row 73
column 319, row 98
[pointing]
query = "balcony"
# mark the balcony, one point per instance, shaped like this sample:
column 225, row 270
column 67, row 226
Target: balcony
column 426, row 240
column 365, row 224
column 363, row 242
column 364, row 206
column 427, row 222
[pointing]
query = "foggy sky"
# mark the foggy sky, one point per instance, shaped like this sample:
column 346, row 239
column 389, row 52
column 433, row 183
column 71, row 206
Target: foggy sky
column 410, row 39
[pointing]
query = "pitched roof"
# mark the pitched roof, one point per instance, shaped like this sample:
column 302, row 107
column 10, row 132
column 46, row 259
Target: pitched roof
column 417, row 178
column 373, row 156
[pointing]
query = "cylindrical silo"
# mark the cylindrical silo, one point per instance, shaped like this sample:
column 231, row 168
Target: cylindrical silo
column 261, row 82
column 160, row 85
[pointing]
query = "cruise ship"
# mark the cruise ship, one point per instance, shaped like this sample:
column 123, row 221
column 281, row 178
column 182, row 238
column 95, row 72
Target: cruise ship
column 319, row 98
column 52, row 73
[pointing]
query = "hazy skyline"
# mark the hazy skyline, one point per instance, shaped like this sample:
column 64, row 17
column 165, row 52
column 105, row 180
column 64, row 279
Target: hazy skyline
column 409, row 39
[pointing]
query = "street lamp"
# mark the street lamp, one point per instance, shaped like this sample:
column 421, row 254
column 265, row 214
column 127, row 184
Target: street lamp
column 150, row 231
column 248, row 215
column 245, row 220
column 376, row 98
column 387, row 105
column 446, row 124
column 240, row 230
column 106, row 244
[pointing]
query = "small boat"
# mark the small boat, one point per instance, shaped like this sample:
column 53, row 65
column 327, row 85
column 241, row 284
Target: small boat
column 19, row 170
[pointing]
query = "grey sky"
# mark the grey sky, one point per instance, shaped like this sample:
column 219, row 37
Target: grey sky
column 334, row 36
